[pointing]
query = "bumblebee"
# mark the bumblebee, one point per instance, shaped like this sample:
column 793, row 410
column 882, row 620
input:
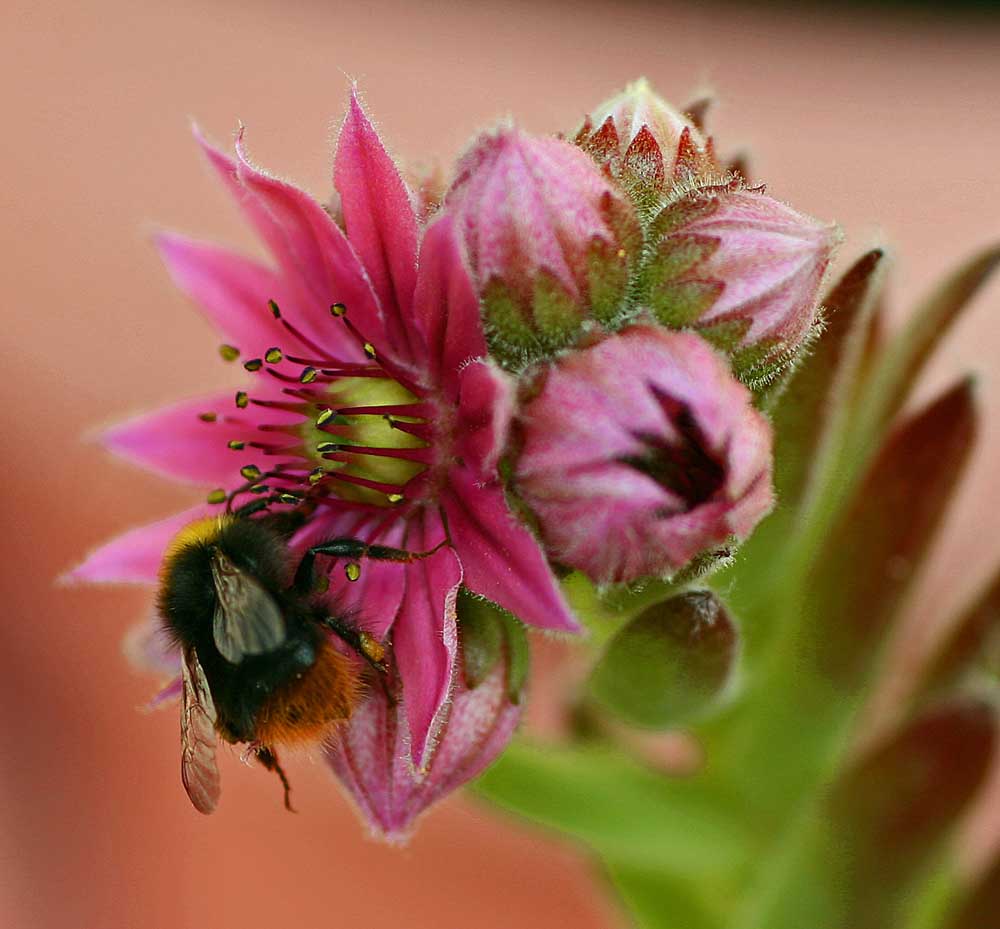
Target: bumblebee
column 259, row 662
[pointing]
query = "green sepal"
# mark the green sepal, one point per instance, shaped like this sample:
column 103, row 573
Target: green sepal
column 489, row 634
column 557, row 313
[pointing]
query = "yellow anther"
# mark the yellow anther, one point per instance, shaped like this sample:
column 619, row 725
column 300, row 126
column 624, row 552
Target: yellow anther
column 273, row 355
column 308, row 375
column 229, row 352
column 352, row 570
column 207, row 417
column 242, row 399
column 394, row 498
column 254, row 364
column 217, row 496
column 236, row 445
column 338, row 309
column 369, row 349
column 250, row 472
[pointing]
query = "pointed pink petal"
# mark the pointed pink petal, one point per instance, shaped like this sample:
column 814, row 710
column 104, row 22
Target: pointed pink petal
column 298, row 233
column 446, row 303
column 370, row 756
column 314, row 246
column 380, row 221
column 500, row 558
column 178, row 444
column 485, row 408
column 424, row 636
column 169, row 693
column 480, row 724
column 149, row 647
column 135, row 556
column 232, row 290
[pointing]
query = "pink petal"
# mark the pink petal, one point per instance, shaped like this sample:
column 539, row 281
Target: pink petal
column 149, row 647
column 380, row 221
column 370, row 757
column 500, row 559
column 446, row 303
column 135, row 556
column 315, row 247
column 232, row 290
column 372, row 601
column 169, row 693
column 176, row 443
column 297, row 235
column 424, row 636
column 485, row 408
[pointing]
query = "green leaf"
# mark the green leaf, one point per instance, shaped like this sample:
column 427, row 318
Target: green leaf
column 894, row 813
column 625, row 812
column 979, row 909
column 972, row 644
column 658, row 901
column 899, row 366
column 670, row 664
column 870, row 557
column 810, row 413
column 816, row 398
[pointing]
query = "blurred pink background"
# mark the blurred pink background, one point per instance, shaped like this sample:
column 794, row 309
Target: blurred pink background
column 884, row 123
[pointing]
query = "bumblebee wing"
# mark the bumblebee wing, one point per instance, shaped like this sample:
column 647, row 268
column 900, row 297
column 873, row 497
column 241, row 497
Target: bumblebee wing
column 199, row 771
column 247, row 620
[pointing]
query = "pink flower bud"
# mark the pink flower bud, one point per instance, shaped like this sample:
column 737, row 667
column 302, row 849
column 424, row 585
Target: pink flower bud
column 551, row 241
column 643, row 142
column 740, row 267
column 371, row 757
column 640, row 453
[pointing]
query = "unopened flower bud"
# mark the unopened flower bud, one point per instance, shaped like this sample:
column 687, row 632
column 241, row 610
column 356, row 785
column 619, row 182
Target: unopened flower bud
column 551, row 241
column 741, row 268
column 640, row 453
column 371, row 756
column 646, row 144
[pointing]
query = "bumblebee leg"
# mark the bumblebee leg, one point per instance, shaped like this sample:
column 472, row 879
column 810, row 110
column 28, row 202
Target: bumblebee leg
column 355, row 550
column 269, row 760
column 367, row 646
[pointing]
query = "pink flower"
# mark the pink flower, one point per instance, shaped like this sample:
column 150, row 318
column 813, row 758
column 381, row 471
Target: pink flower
column 640, row 453
column 742, row 268
column 552, row 242
column 370, row 758
column 647, row 145
column 371, row 396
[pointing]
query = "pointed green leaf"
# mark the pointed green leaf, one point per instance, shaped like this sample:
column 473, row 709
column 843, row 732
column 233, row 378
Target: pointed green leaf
column 980, row 908
column 897, row 370
column 894, row 813
column 625, row 812
column 807, row 415
column 870, row 557
column 972, row 643
column 670, row 664
column 816, row 395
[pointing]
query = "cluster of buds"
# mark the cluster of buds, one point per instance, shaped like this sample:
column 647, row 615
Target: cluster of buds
column 546, row 364
column 639, row 293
